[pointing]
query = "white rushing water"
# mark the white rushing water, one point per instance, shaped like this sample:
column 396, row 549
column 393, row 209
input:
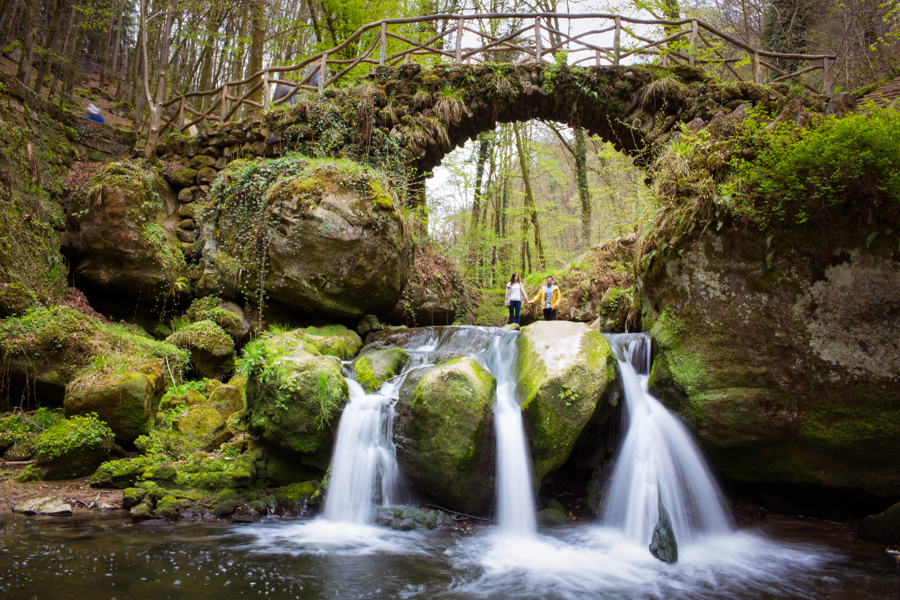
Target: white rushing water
column 658, row 458
column 515, row 495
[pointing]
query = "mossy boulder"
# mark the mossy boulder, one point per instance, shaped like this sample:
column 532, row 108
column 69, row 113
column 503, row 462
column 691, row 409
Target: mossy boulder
column 127, row 402
column 374, row 368
column 779, row 350
column 124, row 472
column 444, row 434
column 332, row 340
column 227, row 315
column 15, row 299
column 212, row 350
column 294, row 398
column 335, row 239
column 48, row 347
column 408, row 518
column 294, row 499
column 227, row 399
column 121, row 232
column 200, row 428
column 884, row 527
column 74, row 448
column 181, row 398
column 566, row 372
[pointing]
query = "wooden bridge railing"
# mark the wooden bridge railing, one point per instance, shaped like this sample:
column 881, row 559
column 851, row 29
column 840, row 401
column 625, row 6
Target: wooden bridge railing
column 532, row 39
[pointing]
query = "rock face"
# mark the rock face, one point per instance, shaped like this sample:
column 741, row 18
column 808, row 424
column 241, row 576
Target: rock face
column 444, row 434
column 374, row 368
column 121, row 232
column 334, row 242
column 434, row 295
column 565, row 374
column 127, row 402
column 294, row 399
column 782, row 354
column 663, row 545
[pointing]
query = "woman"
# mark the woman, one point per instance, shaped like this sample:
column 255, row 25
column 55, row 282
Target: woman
column 515, row 295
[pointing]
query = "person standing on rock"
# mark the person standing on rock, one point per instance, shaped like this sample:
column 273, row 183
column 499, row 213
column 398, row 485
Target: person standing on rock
column 549, row 293
column 515, row 295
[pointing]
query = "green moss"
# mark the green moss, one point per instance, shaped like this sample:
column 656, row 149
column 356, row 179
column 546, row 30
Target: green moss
column 205, row 336
column 841, row 422
column 124, row 472
column 73, row 435
column 374, row 368
column 296, row 493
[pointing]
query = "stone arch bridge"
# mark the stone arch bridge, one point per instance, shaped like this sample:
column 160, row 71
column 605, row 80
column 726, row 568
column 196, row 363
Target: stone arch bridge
column 414, row 117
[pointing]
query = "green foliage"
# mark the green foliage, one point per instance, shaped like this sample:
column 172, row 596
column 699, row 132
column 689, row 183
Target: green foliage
column 203, row 335
column 78, row 432
column 801, row 175
column 255, row 359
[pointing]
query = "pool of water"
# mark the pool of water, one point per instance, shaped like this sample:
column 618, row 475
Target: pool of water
column 107, row 556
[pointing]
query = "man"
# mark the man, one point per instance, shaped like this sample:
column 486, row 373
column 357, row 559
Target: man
column 549, row 293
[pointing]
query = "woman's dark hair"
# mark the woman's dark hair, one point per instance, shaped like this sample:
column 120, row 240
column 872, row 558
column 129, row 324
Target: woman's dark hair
column 513, row 278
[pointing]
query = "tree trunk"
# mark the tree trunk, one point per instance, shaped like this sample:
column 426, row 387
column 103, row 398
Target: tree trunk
column 162, row 70
column 68, row 50
column 23, row 73
column 584, row 193
column 49, row 44
column 258, row 38
column 475, row 252
column 529, row 199
column 71, row 64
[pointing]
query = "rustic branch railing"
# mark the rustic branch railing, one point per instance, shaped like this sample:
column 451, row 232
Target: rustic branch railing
column 532, row 40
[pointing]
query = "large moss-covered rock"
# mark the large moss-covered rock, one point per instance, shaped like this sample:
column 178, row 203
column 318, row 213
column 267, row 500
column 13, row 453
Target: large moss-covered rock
column 126, row 401
column 74, row 448
column 374, row 368
column 294, row 398
column 200, row 427
column 884, row 527
column 444, row 434
column 121, row 231
column 48, row 347
column 780, row 351
column 212, row 350
column 565, row 374
column 227, row 315
column 336, row 243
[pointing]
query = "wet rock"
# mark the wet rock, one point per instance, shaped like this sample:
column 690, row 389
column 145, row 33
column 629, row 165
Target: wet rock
column 565, row 374
column 295, row 398
column 44, row 505
column 169, row 507
column 884, row 528
column 374, row 368
column 663, row 545
column 444, row 434
column 405, row 518
column 294, row 499
column 142, row 512
column 127, row 402
column 131, row 497
column 789, row 383
column 554, row 514
column 598, row 487
column 367, row 324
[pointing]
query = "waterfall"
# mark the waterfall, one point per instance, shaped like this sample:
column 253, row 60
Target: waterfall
column 658, row 460
column 515, row 496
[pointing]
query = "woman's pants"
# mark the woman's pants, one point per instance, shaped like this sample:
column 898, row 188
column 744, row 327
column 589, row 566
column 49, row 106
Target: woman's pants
column 514, row 307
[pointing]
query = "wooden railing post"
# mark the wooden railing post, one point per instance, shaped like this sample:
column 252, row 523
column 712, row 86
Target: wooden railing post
column 538, row 51
column 757, row 69
column 826, row 74
column 265, row 89
column 180, row 120
column 224, row 106
column 323, row 72
column 598, row 56
column 459, row 35
column 382, row 56
column 616, row 40
column 694, row 35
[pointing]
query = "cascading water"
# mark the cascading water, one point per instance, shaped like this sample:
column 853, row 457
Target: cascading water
column 658, row 459
column 515, row 497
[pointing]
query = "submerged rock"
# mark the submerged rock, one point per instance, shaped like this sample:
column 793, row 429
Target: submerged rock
column 44, row 505
column 565, row 374
column 444, row 434
column 663, row 545
column 127, row 402
column 374, row 368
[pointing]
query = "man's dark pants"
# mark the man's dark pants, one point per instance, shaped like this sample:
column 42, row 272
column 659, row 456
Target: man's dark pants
column 549, row 314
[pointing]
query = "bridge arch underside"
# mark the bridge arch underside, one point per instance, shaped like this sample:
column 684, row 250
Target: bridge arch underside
column 634, row 108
